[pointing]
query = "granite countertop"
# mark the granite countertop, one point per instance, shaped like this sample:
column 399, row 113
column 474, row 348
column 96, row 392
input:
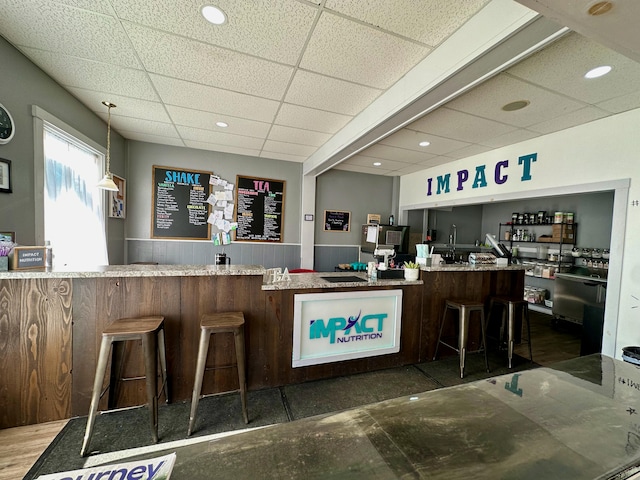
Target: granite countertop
column 106, row 271
column 300, row 281
column 454, row 267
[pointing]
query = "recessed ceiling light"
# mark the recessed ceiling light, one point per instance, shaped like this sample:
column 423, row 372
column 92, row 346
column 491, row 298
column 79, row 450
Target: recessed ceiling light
column 517, row 105
column 598, row 72
column 222, row 124
column 424, row 144
column 214, row 15
column 377, row 164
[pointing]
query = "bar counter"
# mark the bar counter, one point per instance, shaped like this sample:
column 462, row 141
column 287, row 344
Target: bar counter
column 51, row 324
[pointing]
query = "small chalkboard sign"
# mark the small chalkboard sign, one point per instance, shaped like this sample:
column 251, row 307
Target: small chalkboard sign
column 337, row 221
column 179, row 205
column 24, row 258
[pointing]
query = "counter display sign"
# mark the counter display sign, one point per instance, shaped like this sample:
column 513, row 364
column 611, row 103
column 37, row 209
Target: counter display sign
column 180, row 207
column 260, row 209
column 337, row 326
column 24, row 258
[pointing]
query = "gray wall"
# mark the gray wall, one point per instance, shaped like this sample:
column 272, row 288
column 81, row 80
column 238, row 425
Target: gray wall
column 467, row 219
column 335, row 190
column 358, row 193
column 593, row 212
column 23, row 85
column 142, row 157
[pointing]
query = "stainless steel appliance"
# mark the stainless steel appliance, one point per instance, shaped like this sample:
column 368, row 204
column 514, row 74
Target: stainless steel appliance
column 575, row 292
column 581, row 299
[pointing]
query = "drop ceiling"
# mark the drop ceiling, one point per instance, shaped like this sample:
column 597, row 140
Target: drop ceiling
column 290, row 77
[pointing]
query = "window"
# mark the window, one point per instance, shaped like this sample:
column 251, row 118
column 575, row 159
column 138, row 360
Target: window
column 73, row 214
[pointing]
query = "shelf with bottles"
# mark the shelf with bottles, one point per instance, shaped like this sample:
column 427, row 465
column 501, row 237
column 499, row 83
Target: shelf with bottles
column 561, row 233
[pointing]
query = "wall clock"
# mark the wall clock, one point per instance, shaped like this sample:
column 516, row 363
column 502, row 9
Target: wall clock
column 7, row 127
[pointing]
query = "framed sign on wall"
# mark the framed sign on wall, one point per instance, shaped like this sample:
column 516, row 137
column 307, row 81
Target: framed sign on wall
column 260, row 209
column 337, row 221
column 179, row 208
column 117, row 204
column 5, row 176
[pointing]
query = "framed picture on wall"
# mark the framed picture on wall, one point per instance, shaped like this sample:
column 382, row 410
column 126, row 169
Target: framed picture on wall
column 5, row 176
column 117, row 200
column 337, row 221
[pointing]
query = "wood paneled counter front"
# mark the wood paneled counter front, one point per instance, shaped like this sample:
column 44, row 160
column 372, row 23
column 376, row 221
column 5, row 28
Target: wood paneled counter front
column 51, row 325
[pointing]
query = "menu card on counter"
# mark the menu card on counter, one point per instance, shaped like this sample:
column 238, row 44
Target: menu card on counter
column 260, row 209
column 180, row 208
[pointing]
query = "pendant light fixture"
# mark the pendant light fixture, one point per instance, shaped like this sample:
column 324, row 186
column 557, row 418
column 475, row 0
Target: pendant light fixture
column 107, row 182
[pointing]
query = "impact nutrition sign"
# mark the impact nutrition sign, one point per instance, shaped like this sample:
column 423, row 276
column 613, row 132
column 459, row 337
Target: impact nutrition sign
column 337, row 326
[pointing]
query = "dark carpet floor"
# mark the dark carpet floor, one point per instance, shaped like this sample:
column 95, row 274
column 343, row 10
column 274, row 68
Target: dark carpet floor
column 126, row 429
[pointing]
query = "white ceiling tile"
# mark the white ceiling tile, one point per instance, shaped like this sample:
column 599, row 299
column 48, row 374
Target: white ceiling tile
column 584, row 115
column 202, row 97
column 388, row 152
column 274, row 29
column 208, row 136
column 364, row 161
column 199, row 62
column 125, row 106
column 207, row 120
column 310, row 119
column 487, row 100
column 316, row 91
column 283, row 156
column 510, row 138
column 461, row 126
column 297, row 135
column 427, row 21
column 577, row 55
column 410, row 139
column 443, row 160
column 357, row 168
column 144, row 137
column 213, row 147
column 90, row 75
column 141, row 126
column 63, row 29
column 361, row 54
column 288, row 148
column 469, row 151
column 98, row 6
column 622, row 103
column 617, row 29
column 416, row 167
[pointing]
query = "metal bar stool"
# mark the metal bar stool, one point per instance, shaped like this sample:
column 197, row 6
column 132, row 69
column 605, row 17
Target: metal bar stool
column 509, row 307
column 210, row 323
column 464, row 309
column 150, row 330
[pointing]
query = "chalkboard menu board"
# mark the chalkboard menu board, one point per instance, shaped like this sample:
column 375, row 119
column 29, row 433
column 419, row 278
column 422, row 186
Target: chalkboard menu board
column 337, row 221
column 180, row 208
column 259, row 209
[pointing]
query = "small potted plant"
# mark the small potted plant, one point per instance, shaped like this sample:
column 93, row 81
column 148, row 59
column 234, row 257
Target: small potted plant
column 411, row 271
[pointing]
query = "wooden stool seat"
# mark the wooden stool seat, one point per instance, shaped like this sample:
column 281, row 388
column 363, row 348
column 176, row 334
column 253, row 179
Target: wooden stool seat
column 464, row 309
column 211, row 323
column 150, row 330
column 509, row 306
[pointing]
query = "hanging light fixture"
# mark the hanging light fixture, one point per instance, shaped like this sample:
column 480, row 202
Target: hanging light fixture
column 107, row 182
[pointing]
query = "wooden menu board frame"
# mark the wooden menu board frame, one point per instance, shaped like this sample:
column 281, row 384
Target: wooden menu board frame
column 255, row 223
column 176, row 204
